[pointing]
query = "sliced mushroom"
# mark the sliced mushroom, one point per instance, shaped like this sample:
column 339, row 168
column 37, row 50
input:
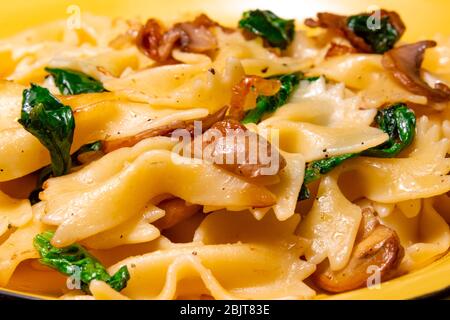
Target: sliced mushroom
column 176, row 210
column 194, row 36
column 226, row 143
column 230, row 145
column 376, row 245
column 207, row 22
column 245, row 93
column 338, row 23
column 149, row 39
column 166, row 130
column 405, row 63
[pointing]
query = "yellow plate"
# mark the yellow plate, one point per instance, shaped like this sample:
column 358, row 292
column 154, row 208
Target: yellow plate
column 433, row 18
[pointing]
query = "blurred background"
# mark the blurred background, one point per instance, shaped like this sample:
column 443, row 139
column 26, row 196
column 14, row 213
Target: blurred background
column 422, row 17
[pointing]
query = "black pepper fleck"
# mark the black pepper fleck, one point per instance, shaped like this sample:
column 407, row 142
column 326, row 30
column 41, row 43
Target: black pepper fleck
column 212, row 70
column 264, row 70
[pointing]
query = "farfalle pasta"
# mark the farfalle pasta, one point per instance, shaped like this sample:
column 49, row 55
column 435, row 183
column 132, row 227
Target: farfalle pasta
column 197, row 160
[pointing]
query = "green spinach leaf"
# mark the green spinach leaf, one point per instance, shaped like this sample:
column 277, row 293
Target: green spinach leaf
column 52, row 123
column 276, row 31
column 74, row 260
column 315, row 169
column 70, row 82
column 399, row 122
column 380, row 39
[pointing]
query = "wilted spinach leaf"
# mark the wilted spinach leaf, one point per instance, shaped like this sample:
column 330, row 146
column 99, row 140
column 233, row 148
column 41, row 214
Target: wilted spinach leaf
column 52, row 123
column 71, row 82
column 399, row 122
column 276, row 31
column 379, row 39
column 76, row 261
column 315, row 169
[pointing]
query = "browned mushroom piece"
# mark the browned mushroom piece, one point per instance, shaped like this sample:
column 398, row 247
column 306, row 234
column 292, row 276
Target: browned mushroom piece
column 165, row 130
column 193, row 36
column 207, row 22
column 405, row 63
column 338, row 23
column 376, row 245
column 245, row 93
column 176, row 210
column 230, row 145
column 149, row 39
column 226, row 143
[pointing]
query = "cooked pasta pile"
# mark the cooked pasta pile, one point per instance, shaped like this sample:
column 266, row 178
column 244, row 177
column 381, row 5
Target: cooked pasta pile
column 98, row 201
